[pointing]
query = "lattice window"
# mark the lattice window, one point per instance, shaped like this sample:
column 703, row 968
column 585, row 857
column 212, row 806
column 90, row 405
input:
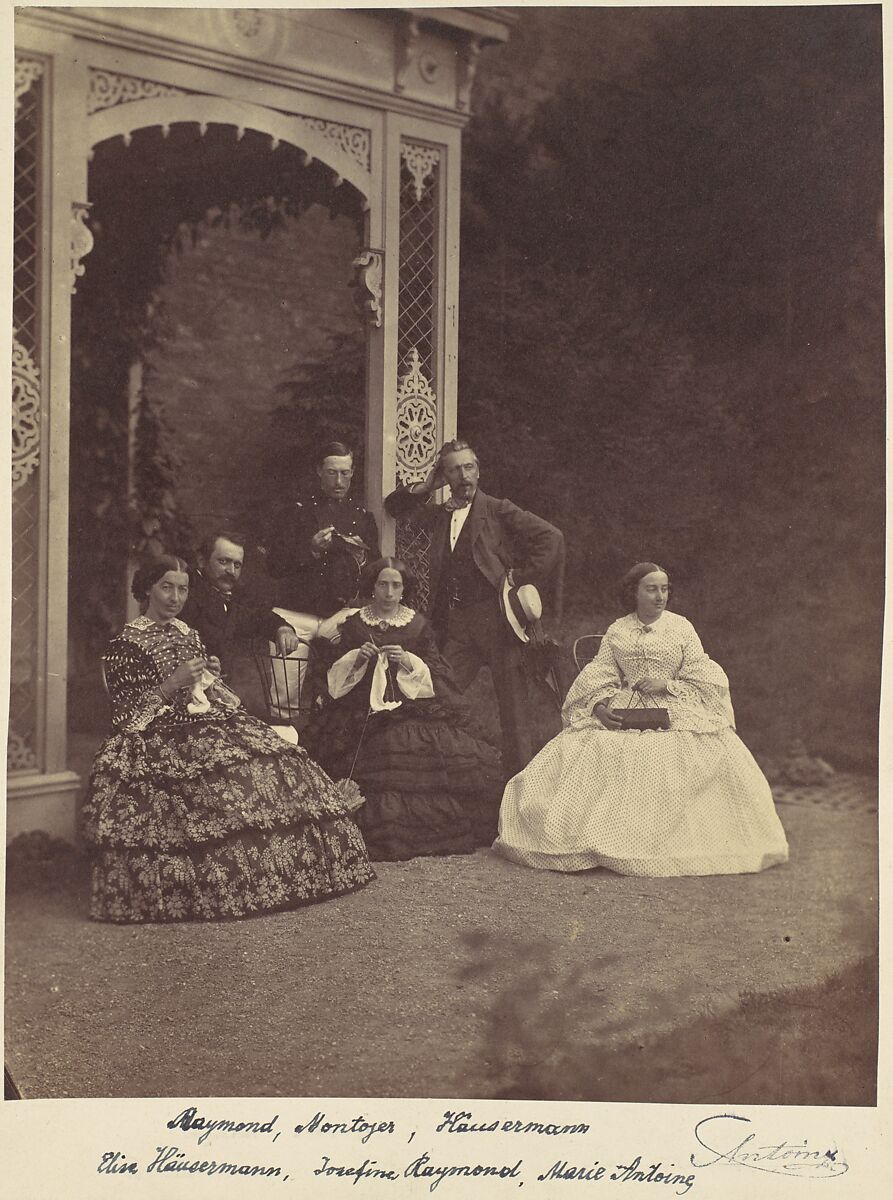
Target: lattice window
column 413, row 545
column 419, row 188
column 23, row 716
column 25, row 306
column 417, row 341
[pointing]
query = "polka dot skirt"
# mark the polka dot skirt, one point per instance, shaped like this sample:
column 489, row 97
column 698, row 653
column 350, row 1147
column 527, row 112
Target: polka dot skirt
column 690, row 800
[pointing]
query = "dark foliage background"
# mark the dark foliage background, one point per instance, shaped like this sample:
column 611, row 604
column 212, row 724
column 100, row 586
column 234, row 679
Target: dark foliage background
column 672, row 345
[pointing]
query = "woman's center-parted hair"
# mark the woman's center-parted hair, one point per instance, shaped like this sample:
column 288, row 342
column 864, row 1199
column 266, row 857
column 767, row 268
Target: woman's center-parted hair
column 628, row 587
column 372, row 571
column 149, row 572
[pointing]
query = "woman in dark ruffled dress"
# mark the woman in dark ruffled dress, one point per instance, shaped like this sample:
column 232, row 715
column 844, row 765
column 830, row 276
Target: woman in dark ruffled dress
column 196, row 810
column 396, row 725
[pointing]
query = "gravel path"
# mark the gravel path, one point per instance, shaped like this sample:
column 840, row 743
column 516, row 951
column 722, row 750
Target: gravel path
column 433, row 980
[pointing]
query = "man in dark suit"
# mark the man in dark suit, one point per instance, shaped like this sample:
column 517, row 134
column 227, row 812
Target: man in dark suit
column 221, row 614
column 476, row 540
column 318, row 549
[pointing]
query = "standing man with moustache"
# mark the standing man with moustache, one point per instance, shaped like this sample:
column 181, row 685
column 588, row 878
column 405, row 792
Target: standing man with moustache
column 478, row 543
column 219, row 612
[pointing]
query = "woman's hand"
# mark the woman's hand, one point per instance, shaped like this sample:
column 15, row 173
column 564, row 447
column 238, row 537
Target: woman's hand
column 606, row 717
column 186, row 676
column 651, row 685
column 396, row 656
column 214, row 665
column 367, row 650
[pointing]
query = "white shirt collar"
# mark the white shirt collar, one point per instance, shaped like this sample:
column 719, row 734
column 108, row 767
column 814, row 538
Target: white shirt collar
column 458, row 517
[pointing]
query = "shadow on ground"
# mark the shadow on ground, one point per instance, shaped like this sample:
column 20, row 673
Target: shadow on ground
column 552, row 1035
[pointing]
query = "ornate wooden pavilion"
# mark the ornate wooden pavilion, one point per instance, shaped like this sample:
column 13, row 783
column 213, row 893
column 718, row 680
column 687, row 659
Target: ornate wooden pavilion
column 379, row 99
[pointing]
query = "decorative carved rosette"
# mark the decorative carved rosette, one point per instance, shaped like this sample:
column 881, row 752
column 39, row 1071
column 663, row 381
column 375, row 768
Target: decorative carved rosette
column 247, row 21
column 369, row 265
column 351, row 140
column 416, row 420
column 420, row 161
column 81, row 240
column 25, row 413
column 26, row 71
column 108, row 89
column 249, row 31
column 429, row 67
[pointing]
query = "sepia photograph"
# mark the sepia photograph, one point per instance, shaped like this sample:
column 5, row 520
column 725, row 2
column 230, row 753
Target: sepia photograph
column 447, row 562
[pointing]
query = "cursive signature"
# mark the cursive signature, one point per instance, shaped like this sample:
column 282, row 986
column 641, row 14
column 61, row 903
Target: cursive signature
column 722, row 1136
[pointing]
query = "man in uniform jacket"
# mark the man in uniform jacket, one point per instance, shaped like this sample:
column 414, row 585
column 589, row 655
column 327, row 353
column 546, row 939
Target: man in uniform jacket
column 220, row 612
column 319, row 547
column 476, row 540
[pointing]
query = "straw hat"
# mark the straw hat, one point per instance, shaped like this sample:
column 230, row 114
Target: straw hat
column 521, row 607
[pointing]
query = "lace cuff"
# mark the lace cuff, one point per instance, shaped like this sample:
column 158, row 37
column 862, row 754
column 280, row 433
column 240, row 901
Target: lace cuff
column 415, row 681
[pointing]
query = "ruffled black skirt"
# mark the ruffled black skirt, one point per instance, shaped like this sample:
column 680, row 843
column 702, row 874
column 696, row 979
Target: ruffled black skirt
column 431, row 787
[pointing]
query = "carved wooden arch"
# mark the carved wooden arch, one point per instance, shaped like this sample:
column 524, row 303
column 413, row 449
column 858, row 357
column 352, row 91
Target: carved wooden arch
column 345, row 149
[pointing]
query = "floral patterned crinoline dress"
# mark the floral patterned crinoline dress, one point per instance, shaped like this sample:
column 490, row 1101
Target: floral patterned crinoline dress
column 205, row 815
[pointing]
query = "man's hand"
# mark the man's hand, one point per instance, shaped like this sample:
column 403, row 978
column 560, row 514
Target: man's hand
column 287, row 641
column 322, row 540
column 433, row 481
column 330, row 627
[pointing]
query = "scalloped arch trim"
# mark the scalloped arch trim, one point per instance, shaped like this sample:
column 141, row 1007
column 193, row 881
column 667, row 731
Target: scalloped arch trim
column 346, row 149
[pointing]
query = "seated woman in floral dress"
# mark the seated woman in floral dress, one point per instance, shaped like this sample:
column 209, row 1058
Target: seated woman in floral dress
column 395, row 725
column 688, row 800
column 196, row 810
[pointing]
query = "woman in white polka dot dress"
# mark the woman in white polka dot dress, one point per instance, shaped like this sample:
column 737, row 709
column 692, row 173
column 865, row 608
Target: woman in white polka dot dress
column 689, row 800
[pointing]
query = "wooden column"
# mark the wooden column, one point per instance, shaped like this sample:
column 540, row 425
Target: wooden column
column 41, row 790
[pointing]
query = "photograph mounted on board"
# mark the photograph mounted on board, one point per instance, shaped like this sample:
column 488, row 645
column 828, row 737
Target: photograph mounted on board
column 448, row 554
